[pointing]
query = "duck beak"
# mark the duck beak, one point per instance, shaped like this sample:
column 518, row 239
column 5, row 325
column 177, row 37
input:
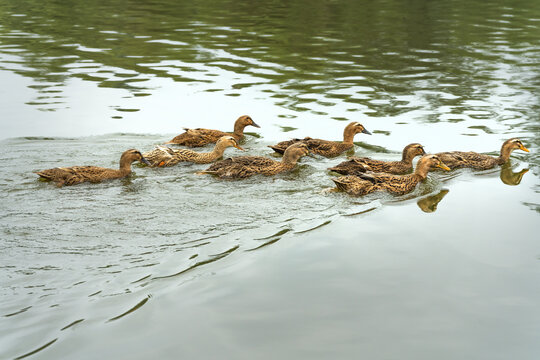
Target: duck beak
column 521, row 147
column 239, row 147
column 254, row 124
column 443, row 166
column 423, row 151
column 144, row 161
column 365, row 131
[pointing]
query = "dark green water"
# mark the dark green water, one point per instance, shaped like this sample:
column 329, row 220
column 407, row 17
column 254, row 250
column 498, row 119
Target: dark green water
column 170, row 264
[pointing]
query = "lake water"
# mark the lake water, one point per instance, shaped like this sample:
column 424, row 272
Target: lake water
column 169, row 264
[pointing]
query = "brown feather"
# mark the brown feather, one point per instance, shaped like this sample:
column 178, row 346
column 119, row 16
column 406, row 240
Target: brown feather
column 325, row 147
column 79, row 174
column 357, row 165
column 245, row 166
column 369, row 182
column 164, row 156
column 474, row 160
column 201, row 137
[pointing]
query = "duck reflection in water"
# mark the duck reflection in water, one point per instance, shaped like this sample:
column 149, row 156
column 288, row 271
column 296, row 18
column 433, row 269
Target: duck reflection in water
column 429, row 203
column 509, row 177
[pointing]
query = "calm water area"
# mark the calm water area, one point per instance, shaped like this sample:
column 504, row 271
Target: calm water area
column 169, row 264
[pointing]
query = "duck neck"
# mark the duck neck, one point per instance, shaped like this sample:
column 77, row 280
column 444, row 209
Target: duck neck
column 421, row 171
column 348, row 136
column 218, row 151
column 505, row 154
column 407, row 157
column 288, row 161
column 125, row 166
column 238, row 132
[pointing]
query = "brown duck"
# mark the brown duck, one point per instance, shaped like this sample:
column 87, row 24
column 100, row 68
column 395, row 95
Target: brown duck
column 246, row 166
column 360, row 165
column 460, row 159
column 200, row 137
column 365, row 183
column 79, row 174
column 165, row 156
column 325, row 147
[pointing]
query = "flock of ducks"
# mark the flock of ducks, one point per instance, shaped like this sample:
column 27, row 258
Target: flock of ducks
column 361, row 175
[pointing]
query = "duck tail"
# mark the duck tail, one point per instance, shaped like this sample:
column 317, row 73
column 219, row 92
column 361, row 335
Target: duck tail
column 276, row 149
column 337, row 169
column 339, row 184
column 42, row 174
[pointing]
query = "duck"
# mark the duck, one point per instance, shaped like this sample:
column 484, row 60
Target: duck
column 460, row 159
column 165, row 156
column 368, row 182
column 326, row 148
column 357, row 165
column 94, row 174
column 201, row 137
column 246, row 166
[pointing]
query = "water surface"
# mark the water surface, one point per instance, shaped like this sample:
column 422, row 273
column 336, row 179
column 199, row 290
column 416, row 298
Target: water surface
column 167, row 262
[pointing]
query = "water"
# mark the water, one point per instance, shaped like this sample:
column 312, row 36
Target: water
column 167, row 262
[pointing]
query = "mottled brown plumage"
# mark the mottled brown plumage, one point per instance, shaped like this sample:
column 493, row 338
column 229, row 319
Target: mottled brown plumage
column 358, row 165
column 325, row 147
column 460, row 159
column 201, row 137
column 365, row 183
column 79, row 174
column 165, row 156
column 245, row 166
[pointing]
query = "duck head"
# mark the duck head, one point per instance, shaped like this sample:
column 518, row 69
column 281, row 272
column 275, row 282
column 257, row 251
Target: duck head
column 132, row 155
column 226, row 141
column 356, row 128
column 427, row 163
column 412, row 150
column 246, row 120
column 295, row 152
column 514, row 144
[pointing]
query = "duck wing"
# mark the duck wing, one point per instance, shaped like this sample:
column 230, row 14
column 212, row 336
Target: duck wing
column 391, row 167
column 242, row 161
column 457, row 159
column 377, row 178
column 354, row 185
column 197, row 137
column 160, row 156
column 240, row 167
column 350, row 167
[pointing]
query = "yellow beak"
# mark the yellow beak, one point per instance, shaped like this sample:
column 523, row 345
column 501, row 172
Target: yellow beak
column 521, row 147
column 443, row 166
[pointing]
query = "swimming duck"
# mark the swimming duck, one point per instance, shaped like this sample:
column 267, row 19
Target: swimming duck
column 200, row 137
column 165, row 156
column 365, row 183
column 359, row 165
column 245, row 166
column 79, row 174
column 325, row 147
column 460, row 159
